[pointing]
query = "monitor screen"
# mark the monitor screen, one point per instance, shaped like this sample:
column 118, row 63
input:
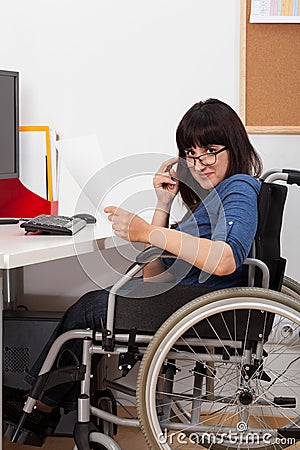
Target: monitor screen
column 9, row 124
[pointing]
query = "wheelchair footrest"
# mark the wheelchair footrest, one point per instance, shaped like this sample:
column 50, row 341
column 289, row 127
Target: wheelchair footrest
column 285, row 402
column 25, row 437
column 289, row 433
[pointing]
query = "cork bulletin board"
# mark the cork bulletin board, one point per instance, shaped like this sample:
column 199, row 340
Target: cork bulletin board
column 269, row 75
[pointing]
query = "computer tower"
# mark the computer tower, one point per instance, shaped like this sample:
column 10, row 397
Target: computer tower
column 24, row 335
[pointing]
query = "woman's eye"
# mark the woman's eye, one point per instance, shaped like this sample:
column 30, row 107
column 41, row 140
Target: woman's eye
column 190, row 152
column 210, row 150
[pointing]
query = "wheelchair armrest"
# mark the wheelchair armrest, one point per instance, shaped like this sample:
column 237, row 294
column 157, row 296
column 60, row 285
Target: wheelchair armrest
column 148, row 255
column 264, row 269
column 151, row 253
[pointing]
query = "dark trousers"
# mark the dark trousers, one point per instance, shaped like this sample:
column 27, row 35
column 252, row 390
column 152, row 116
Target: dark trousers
column 90, row 312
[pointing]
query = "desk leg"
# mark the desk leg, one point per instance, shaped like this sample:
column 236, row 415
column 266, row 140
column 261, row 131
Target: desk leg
column 10, row 286
column 1, row 347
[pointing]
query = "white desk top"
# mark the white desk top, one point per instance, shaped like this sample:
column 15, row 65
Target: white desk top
column 18, row 249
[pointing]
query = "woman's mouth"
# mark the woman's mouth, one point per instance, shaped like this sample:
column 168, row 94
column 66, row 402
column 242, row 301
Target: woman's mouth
column 204, row 174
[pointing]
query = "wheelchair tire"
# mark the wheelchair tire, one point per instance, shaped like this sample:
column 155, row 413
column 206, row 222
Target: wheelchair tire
column 96, row 446
column 291, row 287
column 99, row 441
column 236, row 402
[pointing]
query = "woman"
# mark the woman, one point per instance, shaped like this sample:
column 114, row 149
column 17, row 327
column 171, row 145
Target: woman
column 216, row 177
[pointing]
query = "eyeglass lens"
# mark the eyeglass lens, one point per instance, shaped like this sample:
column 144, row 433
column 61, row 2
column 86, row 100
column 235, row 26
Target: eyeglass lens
column 206, row 160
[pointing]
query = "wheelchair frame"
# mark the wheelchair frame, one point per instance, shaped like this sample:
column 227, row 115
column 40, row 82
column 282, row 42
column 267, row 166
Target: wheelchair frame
column 159, row 352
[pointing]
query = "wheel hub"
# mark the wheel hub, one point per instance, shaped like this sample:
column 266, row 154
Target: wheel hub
column 245, row 397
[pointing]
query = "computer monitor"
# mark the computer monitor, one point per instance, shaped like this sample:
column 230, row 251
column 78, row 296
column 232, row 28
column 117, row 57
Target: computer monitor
column 9, row 124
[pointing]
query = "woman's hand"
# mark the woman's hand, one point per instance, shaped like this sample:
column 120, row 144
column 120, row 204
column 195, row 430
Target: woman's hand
column 127, row 225
column 165, row 182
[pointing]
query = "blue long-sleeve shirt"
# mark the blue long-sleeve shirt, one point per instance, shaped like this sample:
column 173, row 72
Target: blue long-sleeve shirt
column 229, row 213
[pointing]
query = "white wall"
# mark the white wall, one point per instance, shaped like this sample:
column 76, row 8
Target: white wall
column 127, row 71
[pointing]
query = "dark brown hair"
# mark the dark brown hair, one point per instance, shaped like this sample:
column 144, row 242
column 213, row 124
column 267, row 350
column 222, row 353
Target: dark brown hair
column 213, row 122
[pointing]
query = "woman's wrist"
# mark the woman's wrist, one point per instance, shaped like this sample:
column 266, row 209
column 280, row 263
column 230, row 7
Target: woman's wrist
column 147, row 233
column 164, row 206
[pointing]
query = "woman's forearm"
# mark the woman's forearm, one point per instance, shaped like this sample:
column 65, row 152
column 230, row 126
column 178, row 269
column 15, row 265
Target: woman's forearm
column 214, row 257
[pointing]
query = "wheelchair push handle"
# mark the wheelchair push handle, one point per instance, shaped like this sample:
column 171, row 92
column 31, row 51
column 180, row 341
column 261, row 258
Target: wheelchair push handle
column 293, row 176
column 290, row 176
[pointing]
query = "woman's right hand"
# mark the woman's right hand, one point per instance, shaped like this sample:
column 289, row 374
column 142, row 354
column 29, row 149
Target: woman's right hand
column 165, row 182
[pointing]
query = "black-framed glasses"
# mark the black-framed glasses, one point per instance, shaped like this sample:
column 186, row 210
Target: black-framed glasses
column 208, row 159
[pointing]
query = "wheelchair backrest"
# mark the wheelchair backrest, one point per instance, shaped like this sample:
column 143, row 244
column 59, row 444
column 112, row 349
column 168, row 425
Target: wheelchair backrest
column 267, row 240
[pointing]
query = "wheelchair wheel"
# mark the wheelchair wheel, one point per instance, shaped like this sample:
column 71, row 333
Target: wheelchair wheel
column 223, row 373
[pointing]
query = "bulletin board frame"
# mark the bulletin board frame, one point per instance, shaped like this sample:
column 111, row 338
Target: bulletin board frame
column 269, row 79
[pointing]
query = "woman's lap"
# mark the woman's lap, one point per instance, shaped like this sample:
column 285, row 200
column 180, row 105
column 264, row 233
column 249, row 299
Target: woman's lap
column 90, row 312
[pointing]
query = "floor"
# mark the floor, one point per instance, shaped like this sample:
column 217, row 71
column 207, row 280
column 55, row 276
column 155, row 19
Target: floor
column 127, row 438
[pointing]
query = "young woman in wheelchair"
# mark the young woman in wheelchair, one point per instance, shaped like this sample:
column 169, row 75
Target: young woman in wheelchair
column 217, row 180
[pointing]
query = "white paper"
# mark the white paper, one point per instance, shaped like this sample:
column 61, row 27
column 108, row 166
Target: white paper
column 275, row 11
column 33, row 167
column 54, row 169
column 71, row 199
column 80, row 160
column 134, row 194
column 86, row 184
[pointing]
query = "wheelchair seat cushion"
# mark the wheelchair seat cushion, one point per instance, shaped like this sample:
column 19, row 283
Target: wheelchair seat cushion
column 151, row 304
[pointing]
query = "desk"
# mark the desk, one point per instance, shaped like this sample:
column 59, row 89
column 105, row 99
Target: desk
column 19, row 250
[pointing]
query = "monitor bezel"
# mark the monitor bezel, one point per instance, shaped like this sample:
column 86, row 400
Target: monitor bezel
column 16, row 172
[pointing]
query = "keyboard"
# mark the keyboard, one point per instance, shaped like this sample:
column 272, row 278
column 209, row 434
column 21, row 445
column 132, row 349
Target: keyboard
column 49, row 224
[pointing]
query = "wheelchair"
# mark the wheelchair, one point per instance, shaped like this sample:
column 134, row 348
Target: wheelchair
column 221, row 372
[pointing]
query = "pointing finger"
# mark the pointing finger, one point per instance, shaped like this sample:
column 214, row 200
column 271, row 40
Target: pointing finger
column 110, row 209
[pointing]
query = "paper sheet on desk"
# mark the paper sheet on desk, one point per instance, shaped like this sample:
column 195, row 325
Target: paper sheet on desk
column 80, row 160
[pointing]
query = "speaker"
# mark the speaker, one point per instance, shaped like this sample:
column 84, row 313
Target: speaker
column 24, row 335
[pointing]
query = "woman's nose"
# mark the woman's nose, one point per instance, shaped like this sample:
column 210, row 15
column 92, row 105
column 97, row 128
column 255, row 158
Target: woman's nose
column 198, row 164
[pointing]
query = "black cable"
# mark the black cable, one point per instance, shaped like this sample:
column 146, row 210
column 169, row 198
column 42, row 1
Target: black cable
column 12, row 221
column 8, row 221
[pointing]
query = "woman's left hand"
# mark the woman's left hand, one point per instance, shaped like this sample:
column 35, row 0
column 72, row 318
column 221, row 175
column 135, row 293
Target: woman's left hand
column 127, row 225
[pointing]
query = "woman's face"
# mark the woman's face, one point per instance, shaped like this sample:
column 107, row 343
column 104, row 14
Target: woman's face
column 208, row 176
